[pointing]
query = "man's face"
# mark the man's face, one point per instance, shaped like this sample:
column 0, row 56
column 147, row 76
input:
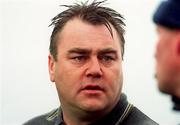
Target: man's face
column 88, row 72
column 165, row 66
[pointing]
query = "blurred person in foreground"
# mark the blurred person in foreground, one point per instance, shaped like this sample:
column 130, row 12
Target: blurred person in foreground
column 85, row 62
column 167, row 20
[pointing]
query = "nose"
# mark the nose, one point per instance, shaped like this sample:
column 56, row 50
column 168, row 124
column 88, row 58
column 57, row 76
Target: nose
column 94, row 69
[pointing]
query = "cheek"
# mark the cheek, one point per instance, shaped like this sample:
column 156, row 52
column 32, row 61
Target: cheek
column 116, row 77
column 68, row 77
column 162, row 45
column 163, row 54
column 65, row 83
column 164, row 69
column 62, row 76
column 159, row 49
column 116, row 85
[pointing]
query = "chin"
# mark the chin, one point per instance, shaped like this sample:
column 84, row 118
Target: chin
column 164, row 89
column 94, row 105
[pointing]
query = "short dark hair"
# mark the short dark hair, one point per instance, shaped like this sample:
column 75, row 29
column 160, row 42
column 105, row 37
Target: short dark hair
column 93, row 13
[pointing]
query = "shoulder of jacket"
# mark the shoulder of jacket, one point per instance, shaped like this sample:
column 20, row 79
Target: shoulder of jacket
column 44, row 119
column 139, row 118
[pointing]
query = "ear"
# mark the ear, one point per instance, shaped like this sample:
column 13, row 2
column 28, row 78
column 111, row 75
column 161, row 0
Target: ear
column 51, row 66
column 176, row 50
column 178, row 45
column 178, row 53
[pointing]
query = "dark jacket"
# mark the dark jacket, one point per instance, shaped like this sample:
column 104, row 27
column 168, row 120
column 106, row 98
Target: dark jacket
column 124, row 113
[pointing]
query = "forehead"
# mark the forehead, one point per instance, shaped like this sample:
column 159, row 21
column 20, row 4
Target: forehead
column 166, row 32
column 80, row 33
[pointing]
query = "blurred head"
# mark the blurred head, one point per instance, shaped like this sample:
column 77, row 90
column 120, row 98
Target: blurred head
column 86, row 50
column 167, row 19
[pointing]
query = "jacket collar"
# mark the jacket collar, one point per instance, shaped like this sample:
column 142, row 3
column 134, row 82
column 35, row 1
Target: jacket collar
column 56, row 115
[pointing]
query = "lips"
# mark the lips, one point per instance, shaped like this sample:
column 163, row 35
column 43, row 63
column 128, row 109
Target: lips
column 92, row 88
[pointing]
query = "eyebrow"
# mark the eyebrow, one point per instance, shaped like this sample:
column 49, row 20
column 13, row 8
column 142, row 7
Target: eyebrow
column 88, row 51
column 107, row 50
column 79, row 51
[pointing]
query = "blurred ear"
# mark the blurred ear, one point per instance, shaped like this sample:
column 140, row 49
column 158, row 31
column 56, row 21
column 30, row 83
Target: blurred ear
column 51, row 66
column 178, row 45
column 177, row 50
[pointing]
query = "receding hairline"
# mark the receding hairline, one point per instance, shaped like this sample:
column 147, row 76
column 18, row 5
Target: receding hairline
column 114, row 31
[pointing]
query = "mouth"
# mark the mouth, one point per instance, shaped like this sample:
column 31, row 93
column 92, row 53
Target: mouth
column 92, row 89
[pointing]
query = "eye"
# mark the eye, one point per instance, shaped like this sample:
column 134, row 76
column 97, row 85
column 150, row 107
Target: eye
column 79, row 58
column 107, row 58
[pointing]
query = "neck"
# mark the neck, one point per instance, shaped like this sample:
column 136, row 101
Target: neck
column 81, row 117
column 176, row 101
column 176, row 94
column 77, row 118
